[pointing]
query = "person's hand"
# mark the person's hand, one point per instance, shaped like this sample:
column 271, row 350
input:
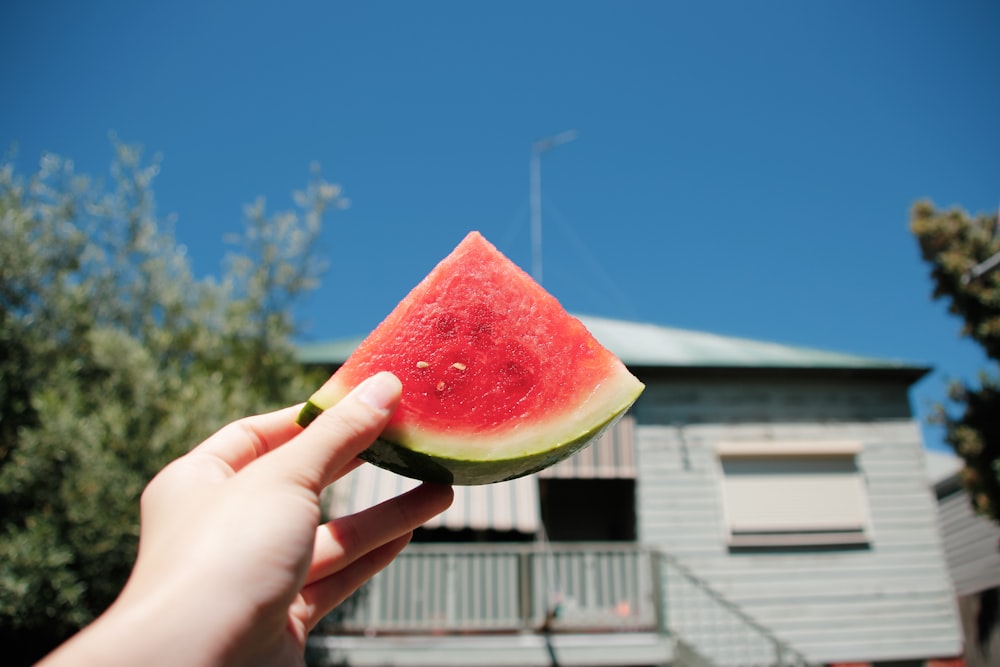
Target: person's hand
column 232, row 568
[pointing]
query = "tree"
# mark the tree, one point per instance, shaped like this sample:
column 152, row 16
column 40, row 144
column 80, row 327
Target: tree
column 115, row 359
column 954, row 243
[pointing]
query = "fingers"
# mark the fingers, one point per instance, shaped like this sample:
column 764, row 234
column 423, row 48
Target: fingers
column 342, row 541
column 351, row 550
column 318, row 455
column 321, row 596
column 245, row 440
column 321, row 451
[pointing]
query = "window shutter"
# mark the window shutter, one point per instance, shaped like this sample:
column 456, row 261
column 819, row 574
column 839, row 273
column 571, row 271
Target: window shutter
column 807, row 494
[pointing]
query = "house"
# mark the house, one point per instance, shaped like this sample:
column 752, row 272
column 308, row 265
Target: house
column 760, row 504
column 972, row 551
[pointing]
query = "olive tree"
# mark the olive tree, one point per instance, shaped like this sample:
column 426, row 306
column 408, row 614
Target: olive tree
column 114, row 359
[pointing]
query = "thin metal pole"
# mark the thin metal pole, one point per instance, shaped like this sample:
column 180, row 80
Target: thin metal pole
column 536, row 213
column 986, row 266
column 981, row 269
column 537, row 149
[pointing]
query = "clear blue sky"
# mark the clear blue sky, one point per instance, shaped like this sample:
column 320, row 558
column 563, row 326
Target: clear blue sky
column 744, row 168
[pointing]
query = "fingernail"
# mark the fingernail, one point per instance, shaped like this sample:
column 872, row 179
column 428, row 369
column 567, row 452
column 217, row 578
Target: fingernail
column 379, row 391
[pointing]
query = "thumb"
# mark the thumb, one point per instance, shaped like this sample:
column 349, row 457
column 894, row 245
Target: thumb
column 317, row 455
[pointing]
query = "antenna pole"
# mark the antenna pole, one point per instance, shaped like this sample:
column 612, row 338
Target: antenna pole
column 535, row 167
column 536, row 215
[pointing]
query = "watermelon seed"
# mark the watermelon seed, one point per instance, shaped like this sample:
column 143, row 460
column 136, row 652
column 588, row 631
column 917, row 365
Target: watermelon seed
column 422, row 364
column 458, row 366
column 440, row 386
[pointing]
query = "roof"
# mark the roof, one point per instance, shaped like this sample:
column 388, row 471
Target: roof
column 640, row 344
column 942, row 467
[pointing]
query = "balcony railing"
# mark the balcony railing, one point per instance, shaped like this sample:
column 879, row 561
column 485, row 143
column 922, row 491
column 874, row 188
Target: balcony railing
column 463, row 589
column 452, row 588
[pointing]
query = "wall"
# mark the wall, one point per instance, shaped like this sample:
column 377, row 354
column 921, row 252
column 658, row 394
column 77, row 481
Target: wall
column 891, row 601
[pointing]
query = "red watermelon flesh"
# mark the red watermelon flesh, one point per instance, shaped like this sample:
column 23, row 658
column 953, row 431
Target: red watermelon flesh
column 498, row 379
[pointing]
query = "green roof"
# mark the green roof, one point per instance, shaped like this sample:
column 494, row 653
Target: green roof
column 639, row 344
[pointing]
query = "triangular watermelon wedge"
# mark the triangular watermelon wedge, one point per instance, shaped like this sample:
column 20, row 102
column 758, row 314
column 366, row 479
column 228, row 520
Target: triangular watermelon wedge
column 499, row 381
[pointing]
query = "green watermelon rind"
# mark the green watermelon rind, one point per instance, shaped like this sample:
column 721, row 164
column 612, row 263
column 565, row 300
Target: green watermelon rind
column 308, row 413
column 418, row 465
column 430, row 468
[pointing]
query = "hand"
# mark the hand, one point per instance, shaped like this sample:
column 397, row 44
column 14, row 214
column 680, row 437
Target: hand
column 232, row 568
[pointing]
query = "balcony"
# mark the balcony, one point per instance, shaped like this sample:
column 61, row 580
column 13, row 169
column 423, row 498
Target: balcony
column 535, row 604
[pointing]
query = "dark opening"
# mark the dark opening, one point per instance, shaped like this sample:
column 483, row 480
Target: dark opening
column 581, row 510
column 466, row 535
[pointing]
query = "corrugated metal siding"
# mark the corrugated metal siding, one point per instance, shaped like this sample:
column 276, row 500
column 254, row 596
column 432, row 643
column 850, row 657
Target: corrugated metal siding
column 972, row 545
column 891, row 601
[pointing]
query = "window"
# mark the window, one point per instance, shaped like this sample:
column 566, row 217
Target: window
column 787, row 494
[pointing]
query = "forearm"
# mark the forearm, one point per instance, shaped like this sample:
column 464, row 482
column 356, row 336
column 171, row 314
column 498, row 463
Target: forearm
column 142, row 633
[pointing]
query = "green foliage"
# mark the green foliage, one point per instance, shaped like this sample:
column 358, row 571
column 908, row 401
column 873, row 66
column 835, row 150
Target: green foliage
column 115, row 359
column 953, row 242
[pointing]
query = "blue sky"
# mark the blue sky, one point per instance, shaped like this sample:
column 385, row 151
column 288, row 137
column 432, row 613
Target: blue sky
column 745, row 168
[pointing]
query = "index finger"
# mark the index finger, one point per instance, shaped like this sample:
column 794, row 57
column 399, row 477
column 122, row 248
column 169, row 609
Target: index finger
column 245, row 440
column 317, row 455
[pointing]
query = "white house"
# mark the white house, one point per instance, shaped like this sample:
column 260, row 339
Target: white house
column 760, row 504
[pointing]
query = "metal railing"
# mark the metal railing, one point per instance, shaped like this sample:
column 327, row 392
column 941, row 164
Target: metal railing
column 458, row 588
column 446, row 589
column 713, row 627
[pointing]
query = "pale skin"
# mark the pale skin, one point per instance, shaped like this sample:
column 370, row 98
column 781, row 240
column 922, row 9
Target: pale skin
column 234, row 566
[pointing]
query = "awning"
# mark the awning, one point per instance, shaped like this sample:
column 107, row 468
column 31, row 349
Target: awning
column 611, row 457
column 504, row 506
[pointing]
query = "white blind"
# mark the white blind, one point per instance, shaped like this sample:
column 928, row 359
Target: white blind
column 800, row 499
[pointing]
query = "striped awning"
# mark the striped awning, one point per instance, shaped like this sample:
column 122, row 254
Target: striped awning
column 506, row 506
column 611, row 457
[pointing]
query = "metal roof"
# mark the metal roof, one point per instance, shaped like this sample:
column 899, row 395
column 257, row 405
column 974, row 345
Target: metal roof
column 640, row 344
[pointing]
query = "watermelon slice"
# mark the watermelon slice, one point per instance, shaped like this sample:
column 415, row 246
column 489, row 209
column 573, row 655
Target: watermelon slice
column 498, row 380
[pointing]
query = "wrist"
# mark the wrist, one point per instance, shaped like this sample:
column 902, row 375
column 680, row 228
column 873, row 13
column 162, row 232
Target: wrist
column 141, row 630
